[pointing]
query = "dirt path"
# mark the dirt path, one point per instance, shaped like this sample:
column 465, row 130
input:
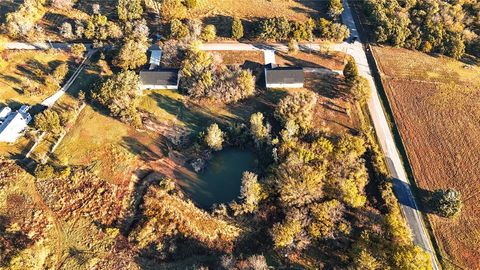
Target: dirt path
column 57, row 223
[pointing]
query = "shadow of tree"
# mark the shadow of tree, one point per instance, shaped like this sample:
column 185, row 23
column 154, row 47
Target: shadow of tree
column 12, row 242
column 139, row 149
column 192, row 115
column 222, row 23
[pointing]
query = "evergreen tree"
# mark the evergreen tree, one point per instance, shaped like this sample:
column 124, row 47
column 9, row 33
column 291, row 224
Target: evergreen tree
column 237, row 28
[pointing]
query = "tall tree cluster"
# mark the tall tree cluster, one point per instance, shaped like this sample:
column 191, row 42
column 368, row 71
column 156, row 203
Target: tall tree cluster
column 431, row 26
column 205, row 77
column 119, row 94
column 21, row 23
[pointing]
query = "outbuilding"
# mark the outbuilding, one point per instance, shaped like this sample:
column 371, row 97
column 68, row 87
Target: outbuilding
column 14, row 124
column 284, row 77
column 159, row 79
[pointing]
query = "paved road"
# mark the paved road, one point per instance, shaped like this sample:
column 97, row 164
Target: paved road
column 50, row 101
column 385, row 137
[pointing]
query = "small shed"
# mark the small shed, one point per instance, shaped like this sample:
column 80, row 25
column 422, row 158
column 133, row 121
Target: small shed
column 159, row 79
column 284, row 77
column 155, row 57
column 4, row 112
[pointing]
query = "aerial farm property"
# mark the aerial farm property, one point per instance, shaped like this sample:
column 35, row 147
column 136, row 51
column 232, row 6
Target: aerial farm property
column 248, row 134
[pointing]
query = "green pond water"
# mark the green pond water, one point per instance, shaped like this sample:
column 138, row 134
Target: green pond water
column 220, row 181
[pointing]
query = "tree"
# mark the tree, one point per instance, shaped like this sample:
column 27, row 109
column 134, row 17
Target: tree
column 172, row 9
column 44, row 171
column 325, row 219
column 129, row 10
column 178, row 30
column 447, row 203
column 364, row 260
column 78, row 50
column 350, row 71
column 120, row 95
column 284, row 233
column 62, row 4
column 190, row 4
column 60, row 72
column 100, row 29
column 246, row 84
column 332, row 31
column 214, row 137
column 251, row 193
column 360, row 90
column 299, row 108
column 278, row 28
column 299, row 184
column 258, row 129
column 411, row 257
column 237, row 28
column 209, row 33
column 197, row 72
column 335, row 8
column 48, row 121
column 293, row 46
column 66, row 30
column 132, row 54
column 21, row 22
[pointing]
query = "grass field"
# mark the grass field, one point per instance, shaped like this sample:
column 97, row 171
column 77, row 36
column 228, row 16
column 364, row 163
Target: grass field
column 253, row 9
column 435, row 102
column 27, row 67
column 23, row 68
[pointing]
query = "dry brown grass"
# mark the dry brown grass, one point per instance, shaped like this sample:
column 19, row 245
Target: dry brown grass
column 435, row 101
column 252, row 9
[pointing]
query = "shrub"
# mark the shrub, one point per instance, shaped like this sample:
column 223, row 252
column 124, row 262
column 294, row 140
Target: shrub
column 44, row 171
column 209, row 33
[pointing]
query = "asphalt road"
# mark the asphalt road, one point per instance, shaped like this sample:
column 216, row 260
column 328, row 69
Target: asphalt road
column 401, row 183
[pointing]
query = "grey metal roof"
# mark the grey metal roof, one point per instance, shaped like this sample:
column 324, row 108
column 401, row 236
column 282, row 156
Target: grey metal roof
column 284, row 75
column 159, row 77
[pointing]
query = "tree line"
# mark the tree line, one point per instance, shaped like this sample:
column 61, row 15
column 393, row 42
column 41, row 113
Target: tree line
column 445, row 27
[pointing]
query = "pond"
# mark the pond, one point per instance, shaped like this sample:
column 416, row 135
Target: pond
column 220, row 181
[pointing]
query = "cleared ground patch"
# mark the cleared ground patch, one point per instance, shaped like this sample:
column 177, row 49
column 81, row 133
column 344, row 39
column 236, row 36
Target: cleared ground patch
column 435, row 102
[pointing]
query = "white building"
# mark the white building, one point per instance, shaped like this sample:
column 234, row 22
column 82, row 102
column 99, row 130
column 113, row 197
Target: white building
column 14, row 124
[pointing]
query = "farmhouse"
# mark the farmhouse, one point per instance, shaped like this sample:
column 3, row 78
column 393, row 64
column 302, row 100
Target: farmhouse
column 159, row 79
column 12, row 125
column 283, row 77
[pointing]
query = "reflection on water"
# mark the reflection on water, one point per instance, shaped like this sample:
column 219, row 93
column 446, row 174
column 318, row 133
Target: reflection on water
column 220, row 181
